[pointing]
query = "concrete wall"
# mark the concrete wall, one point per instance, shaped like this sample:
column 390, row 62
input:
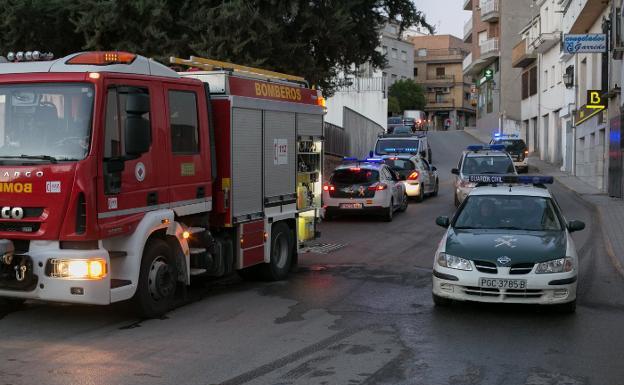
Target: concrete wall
column 371, row 104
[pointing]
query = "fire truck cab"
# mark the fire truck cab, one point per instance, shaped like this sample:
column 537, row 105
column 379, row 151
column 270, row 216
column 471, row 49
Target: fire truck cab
column 120, row 178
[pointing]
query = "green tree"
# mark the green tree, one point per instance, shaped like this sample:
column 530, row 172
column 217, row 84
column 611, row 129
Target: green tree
column 314, row 39
column 410, row 95
column 394, row 107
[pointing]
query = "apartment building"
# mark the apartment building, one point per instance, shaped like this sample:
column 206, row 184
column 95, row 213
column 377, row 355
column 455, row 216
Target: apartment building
column 438, row 68
column 492, row 33
column 399, row 55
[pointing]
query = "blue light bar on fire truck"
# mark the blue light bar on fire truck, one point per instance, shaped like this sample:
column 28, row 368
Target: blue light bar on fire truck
column 487, row 179
column 481, row 147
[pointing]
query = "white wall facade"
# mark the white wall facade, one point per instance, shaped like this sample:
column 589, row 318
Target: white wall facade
column 371, row 104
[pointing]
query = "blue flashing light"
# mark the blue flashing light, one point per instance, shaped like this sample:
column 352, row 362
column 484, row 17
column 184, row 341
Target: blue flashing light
column 373, row 160
column 535, row 179
column 497, row 135
column 475, row 147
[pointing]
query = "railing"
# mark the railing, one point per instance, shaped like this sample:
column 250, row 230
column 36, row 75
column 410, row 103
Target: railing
column 441, row 78
column 361, row 84
column 440, row 53
column 489, row 46
column 467, row 62
column 488, row 7
column 467, row 28
column 443, row 102
column 336, row 140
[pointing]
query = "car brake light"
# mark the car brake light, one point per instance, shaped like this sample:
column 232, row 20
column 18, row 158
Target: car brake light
column 329, row 187
column 102, row 58
column 378, row 187
column 413, row 176
column 356, row 169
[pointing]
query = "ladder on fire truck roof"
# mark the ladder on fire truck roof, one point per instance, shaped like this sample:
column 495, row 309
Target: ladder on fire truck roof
column 214, row 65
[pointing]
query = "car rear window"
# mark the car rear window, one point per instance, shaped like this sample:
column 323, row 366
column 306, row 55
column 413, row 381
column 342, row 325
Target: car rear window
column 488, row 164
column 512, row 144
column 395, row 121
column 354, row 176
column 394, row 146
column 400, row 164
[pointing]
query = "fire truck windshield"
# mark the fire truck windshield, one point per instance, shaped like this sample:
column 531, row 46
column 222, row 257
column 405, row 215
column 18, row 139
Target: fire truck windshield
column 48, row 122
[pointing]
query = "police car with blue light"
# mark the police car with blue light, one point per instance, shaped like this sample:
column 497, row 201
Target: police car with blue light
column 392, row 144
column 516, row 148
column 421, row 178
column 367, row 186
column 480, row 159
column 507, row 243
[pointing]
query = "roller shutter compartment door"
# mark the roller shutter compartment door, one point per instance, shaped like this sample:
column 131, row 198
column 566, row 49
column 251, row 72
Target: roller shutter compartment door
column 309, row 125
column 246, row 162
column 279, row 155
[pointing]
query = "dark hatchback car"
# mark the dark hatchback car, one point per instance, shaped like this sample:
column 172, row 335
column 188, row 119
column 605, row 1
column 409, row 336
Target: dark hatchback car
column 517, row 149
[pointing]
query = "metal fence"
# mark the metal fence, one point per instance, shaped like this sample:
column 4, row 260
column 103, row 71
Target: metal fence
column 336, row 140
column 361, row 84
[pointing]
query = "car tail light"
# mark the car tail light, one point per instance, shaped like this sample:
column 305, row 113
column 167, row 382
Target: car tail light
column 378, row 187
column 413, row 176
column 329, row 187
column 102, row 58
column 526, row 152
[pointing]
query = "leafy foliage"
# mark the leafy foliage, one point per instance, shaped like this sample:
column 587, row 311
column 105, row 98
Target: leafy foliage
column 410, row 95
column 316, row 39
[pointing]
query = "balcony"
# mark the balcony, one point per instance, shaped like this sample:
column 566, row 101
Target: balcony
column 467, row 5
column 489, row 48
column 546, row 41
column 440, row 103
column 468, row 31
column 440, row 80
column 443, row 55
column 521, row 56
column 579, row 16
column 489, row 10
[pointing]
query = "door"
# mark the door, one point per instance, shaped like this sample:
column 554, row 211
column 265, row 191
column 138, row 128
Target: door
column 188, row 150
column 429, row 176
column 130, row 184
column 423, row 170
column 393, row 183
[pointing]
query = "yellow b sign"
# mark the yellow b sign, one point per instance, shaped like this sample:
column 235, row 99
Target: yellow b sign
column 595, row 100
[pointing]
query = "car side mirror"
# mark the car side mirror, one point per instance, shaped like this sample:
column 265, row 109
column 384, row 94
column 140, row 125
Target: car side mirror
column 575, row 226
column 138, row 136
column 114, row 166
column 443, row 221
column 455, row 171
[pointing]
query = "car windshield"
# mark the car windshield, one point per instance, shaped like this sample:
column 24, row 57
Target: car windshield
column 395, row 121
column 511, row 212
column 51, row 122
column 394, row 146
column 514, row 145
column 354, row 175
column 400, row 164
column 488, row 164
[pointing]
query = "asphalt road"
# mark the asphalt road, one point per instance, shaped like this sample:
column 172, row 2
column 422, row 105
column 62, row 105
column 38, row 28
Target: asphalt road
column 359, row 314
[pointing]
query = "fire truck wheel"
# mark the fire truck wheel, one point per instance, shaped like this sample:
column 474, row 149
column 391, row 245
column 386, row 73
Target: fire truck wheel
column 281, row 253
column 157, row 280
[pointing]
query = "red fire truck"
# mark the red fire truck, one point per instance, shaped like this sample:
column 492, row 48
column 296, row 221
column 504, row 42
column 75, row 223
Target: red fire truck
column 120, row 179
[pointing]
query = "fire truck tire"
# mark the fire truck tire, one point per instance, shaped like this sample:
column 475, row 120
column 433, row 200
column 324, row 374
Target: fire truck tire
column 282, row 244
column 157, row 280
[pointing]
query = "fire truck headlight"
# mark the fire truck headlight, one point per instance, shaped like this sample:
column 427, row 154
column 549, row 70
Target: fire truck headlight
column 77, row 268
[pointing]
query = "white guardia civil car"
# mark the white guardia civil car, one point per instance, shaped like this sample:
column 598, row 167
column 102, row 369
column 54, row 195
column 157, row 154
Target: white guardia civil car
column 508, row 243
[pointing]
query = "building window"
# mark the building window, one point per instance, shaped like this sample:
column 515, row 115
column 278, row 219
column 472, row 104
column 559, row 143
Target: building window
column 415, row 71
column 404, row 56
column 545, row 80
column 525, row 84
column 533, row 81
column 440, row 72
column 552, row 76
column 395, row 53
column 467, row 95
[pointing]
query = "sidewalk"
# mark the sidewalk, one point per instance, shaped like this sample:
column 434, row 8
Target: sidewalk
column 610, row 210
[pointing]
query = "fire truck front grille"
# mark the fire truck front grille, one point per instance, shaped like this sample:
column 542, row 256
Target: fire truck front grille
column 19, row 227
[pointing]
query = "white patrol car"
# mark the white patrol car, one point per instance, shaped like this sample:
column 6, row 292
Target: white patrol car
column 421, row 178
column 393, row 144
column 364, row 187
column 508, row 243
column 480, row 159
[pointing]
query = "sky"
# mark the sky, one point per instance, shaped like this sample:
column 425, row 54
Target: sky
column 447, row 15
